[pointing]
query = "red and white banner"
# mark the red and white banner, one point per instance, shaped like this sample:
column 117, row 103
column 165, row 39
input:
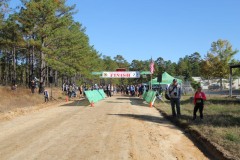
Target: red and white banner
column 126, row 74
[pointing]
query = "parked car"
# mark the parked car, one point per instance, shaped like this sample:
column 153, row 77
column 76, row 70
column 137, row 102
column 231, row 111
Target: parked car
column 214, row 87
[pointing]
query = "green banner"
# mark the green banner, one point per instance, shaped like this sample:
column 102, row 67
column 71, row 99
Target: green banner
column 96, row 73
column 150, row 96
column 102, row 93
column 95, row 95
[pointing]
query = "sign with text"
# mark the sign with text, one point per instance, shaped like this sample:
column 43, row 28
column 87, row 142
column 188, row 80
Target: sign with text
column 127, row 74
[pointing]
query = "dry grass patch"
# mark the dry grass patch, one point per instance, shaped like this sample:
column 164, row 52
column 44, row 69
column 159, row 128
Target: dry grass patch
column 21, row 101
column 221, row 123
column 19, row 98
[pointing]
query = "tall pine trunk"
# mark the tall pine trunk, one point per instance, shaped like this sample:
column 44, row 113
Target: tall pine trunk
column 6, row 68
column 42, row 65
column 14, row 66
column 56, row 78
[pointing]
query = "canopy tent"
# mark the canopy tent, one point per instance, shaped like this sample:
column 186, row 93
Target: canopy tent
column 166, row 79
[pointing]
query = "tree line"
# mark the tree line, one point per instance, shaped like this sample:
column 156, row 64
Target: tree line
column 41, row 39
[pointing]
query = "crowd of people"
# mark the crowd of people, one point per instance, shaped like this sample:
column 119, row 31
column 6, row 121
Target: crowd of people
column 173, row 91
column 131, row 90
column 72, row 90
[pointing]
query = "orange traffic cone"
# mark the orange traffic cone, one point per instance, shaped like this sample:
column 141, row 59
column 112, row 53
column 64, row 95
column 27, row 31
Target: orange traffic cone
column 150, row 105
column 66, row 98
column 92, row 104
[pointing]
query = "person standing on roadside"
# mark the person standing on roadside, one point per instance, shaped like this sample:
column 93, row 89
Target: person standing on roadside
column 109, row 90
column 33, row 86
column 70, row 91
column 140, row 91
column 46, row 95
column 199, row 99
column 80, row 91
column 41, row 88
column 174, row 92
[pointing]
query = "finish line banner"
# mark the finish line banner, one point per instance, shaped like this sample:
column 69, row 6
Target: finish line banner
column 124, row 74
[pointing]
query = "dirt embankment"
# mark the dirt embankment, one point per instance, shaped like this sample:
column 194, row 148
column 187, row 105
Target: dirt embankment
column 21, row 101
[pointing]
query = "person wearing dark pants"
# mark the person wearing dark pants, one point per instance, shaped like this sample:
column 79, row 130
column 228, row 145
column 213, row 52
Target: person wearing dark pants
column 174, row 92
column 197, row 107
column 109, row 90
column 199, row 99
column 33, row 86
column 175, row 103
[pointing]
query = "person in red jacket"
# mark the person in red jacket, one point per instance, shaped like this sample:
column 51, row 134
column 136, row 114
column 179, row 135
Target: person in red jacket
column 199, row 99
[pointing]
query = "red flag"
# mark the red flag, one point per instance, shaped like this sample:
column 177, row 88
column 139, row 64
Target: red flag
column 152, row 66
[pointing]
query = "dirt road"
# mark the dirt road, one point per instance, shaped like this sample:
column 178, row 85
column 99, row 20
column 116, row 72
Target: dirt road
column 115, row 128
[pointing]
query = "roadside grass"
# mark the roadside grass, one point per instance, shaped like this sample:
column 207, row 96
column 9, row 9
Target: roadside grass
column 221, row 123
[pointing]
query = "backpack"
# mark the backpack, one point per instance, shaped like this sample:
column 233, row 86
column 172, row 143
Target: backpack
column 166, row 95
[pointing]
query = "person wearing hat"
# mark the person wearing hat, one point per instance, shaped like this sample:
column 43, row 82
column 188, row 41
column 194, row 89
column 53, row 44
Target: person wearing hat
column 199, row 99
column 174, row 92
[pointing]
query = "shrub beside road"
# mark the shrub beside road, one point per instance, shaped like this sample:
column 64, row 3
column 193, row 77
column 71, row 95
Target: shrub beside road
column 220, row 126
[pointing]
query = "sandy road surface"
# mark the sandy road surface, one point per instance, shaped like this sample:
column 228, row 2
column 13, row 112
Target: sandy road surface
column 115, row 128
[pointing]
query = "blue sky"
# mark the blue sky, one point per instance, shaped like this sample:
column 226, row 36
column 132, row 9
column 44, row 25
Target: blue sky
column 171, row 29
column 141, row 29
